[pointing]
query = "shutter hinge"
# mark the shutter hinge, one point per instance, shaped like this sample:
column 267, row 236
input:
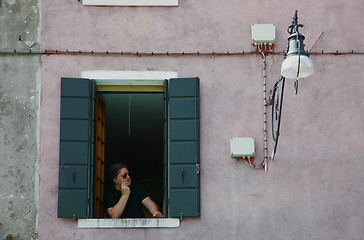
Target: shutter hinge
column 62, row 166
column 197, row 168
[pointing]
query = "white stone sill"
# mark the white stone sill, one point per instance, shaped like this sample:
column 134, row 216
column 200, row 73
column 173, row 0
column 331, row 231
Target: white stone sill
column 132, row 3
column 129, row 223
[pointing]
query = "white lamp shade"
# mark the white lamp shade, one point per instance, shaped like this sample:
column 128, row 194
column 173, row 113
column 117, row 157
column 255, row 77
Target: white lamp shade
column 290, row 67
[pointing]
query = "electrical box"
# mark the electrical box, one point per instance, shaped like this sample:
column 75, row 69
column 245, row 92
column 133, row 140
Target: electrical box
column 263, row 33
column 242, row 147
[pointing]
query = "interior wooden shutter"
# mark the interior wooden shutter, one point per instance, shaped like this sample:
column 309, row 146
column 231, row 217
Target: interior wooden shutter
column 183, row 147
column 76, row 148
column 99, row 211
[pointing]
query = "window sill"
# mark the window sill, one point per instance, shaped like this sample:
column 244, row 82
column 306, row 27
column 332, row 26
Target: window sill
column 132, row 3
column 129, row 223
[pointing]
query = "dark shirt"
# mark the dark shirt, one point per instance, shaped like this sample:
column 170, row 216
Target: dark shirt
column 133, row 208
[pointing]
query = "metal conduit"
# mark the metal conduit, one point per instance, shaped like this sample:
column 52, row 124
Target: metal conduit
column 265, row 162
column 265, row 113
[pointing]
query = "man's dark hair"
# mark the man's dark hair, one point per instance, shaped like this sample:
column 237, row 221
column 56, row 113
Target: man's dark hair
column 114, row 170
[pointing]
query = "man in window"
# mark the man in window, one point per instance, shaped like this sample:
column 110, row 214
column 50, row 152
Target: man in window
column 124, row 198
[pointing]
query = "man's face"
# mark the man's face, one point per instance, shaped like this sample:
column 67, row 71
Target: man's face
column 123, row 177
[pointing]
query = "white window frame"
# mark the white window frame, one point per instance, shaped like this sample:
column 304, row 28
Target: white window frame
column 128, row 77
column 132, row 3
column 129, row 223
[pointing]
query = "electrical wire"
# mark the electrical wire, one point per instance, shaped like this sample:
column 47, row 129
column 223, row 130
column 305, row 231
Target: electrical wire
column 295, row 83
column 278, row 113
column 136, row 53
column 248, row 163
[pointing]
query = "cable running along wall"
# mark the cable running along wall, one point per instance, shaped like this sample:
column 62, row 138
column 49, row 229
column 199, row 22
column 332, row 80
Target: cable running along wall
column 133, row 53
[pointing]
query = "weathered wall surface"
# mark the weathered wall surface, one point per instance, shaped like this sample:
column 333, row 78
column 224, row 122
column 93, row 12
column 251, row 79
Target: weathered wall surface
column 19, row 24
column 313, row 189
column 19, row 119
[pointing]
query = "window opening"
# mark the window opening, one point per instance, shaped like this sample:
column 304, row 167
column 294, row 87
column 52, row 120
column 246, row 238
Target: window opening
column 133, row 134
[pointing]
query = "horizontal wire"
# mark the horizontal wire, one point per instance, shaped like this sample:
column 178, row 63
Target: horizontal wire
column 133, row 53
column 92, row 52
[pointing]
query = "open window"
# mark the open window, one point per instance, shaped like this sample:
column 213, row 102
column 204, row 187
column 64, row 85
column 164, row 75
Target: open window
column 155, row 132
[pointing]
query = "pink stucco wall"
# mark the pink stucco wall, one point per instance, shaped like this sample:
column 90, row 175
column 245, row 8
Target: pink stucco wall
column 313, row 189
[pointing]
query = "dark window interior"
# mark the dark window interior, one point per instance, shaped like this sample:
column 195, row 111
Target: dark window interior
column 134, row 136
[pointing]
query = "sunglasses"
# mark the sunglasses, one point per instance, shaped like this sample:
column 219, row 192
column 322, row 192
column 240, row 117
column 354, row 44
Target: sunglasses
column 125, row 175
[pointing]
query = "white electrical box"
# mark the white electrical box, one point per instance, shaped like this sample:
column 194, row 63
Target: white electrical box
column 242, row 147
column 263, row 33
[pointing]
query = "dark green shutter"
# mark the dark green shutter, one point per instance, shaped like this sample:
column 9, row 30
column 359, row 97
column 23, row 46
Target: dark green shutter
column 76, row 148
column 183, row 148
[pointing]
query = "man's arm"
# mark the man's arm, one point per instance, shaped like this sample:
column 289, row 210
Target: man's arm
column 152, row 207
column 118, row 209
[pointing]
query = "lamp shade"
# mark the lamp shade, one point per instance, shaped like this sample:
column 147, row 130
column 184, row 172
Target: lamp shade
column 296, row 55
column 290, row 66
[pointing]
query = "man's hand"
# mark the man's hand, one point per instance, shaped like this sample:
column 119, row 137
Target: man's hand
column 125, row 190
column 152, row 207
column 158, row 215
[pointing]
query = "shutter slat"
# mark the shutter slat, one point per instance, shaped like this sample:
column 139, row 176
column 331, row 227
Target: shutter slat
column 73, row 177
column 184, row 176
column 73, row 152
column 74, row 107
column 183, row 152
column 182, row 129
column 74, row 130
column 71, row 202
column 183, row 108
column 185, row 203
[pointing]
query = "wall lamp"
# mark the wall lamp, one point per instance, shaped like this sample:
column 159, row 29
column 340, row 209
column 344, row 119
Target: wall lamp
column 297, row 64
